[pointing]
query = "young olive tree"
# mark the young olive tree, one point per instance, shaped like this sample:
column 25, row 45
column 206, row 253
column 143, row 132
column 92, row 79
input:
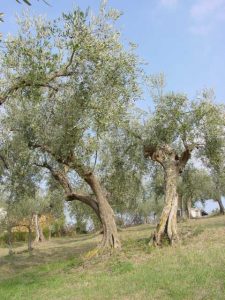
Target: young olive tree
column 214, row 160
column 218, row 176
column 20, row 184
column 66, row 82
column 195, row 185
column 175, row 129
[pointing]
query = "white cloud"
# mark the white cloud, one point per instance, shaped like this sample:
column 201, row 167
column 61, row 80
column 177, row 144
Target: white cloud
column 206, row 15
column 169, row 3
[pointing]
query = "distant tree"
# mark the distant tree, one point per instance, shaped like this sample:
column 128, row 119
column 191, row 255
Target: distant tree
column 22, row 211
column 214, row 160
column 40, row 206
column 81, row 215
column 8, row 221
column 19, row 214
column 20, row 181
column 195, row 185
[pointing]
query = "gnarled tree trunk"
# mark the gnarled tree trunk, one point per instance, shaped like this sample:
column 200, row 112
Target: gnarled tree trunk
column 173, row 165
column 167, row 226
column 110, row 235
column 38, row 230
column 219, row 200
column 99, row 204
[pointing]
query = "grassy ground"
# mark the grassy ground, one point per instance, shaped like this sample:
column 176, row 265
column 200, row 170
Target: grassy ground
column 195, row 269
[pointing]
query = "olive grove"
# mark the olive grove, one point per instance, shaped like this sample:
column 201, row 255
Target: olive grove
column 68, row 89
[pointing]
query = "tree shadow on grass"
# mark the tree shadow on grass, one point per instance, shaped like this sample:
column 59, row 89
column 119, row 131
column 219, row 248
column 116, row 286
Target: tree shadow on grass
column 47, row 253
column 142, row 228
column 62, row 249
column 77, row 239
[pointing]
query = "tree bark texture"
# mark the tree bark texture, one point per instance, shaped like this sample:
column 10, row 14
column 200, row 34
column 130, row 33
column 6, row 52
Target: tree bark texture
column 167, row 226
column 173, row 165
column 110, row 235
column 99, row 203
column 38, row 230
column 219, row 200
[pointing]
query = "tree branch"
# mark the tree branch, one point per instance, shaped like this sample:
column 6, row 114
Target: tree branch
column 71, row 195
column 22, row 82
column 6, row 165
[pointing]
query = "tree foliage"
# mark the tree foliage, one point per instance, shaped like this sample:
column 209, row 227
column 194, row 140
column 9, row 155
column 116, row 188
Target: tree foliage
column 67, row 82
column 177, row 128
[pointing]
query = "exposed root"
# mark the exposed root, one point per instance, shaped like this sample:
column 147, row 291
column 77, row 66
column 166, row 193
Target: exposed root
column 106, row 247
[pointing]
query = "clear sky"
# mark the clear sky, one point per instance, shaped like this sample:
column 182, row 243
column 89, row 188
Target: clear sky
column 184, row 39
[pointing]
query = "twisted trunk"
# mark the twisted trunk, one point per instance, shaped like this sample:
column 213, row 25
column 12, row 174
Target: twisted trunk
column 167, row 226
column 99, row 204
column 110, row 235
column 38, row 230
column 173, row 165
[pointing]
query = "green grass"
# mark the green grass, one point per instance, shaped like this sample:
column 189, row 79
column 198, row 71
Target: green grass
column 195, row 269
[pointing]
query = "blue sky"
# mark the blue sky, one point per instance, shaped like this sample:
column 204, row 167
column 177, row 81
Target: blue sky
column 184, row 39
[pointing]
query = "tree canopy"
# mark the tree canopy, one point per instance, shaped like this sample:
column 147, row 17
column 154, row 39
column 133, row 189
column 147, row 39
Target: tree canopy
column 67, row 82
column 68, row 89
column 177, row 128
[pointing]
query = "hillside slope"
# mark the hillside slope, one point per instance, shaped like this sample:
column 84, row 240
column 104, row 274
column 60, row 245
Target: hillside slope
column 195, row 269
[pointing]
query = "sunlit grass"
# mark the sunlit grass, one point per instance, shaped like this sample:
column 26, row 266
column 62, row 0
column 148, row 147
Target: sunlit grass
column 195, row 269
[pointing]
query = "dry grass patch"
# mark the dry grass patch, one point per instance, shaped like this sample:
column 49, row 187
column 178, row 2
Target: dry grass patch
column 194, row 269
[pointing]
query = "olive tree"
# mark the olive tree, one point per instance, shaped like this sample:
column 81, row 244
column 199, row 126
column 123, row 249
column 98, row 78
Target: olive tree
column 20, row 181
column 66, row 82
column 174, row 130
column 195, row 185
column 215, row 162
